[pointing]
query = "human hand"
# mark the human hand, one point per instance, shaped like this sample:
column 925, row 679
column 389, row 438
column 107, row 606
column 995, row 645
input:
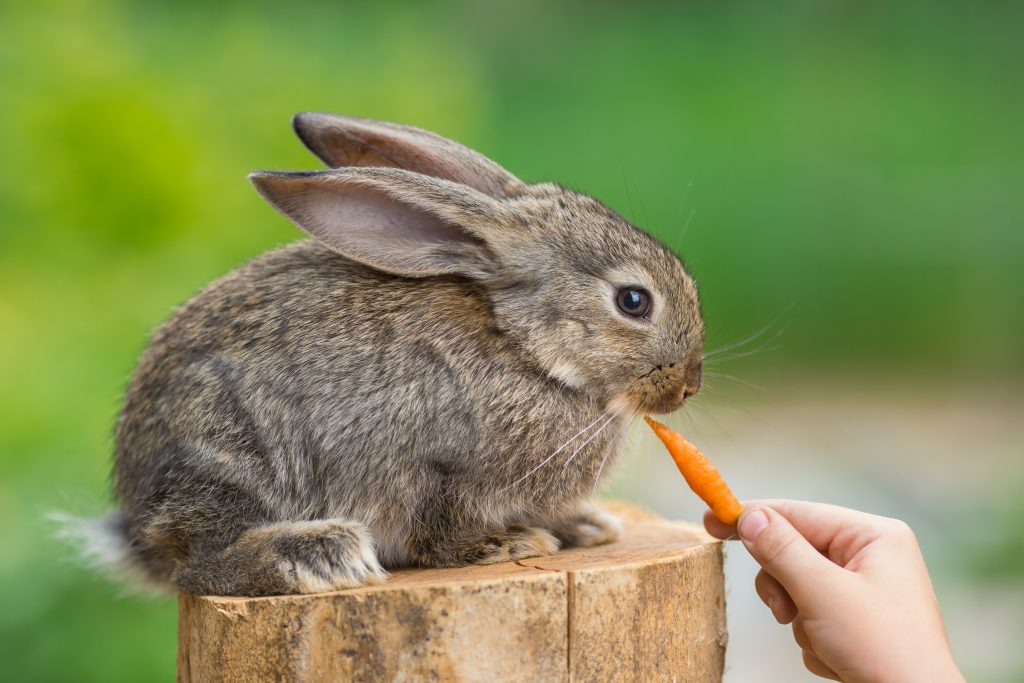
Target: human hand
column 853, row 585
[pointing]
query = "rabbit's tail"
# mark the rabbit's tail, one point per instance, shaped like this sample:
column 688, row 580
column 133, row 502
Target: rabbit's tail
column 102, row 544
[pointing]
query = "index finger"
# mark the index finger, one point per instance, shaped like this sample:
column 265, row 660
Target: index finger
column 718, row 528
column 820, row 523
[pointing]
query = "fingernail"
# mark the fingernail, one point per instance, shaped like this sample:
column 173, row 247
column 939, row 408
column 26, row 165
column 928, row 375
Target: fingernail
column 753, row 523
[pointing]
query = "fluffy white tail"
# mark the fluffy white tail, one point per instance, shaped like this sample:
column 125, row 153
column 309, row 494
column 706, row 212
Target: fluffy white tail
column 101, row 543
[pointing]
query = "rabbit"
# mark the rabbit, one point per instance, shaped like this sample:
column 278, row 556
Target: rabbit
column 439, row 376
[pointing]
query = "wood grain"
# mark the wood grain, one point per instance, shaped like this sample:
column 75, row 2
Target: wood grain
column 650, row 607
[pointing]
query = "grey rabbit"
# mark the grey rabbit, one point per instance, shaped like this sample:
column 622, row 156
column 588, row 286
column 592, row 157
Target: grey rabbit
column 441, row 376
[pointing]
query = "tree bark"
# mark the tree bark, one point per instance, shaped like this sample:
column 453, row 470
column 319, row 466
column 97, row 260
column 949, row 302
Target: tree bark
column 650, row 607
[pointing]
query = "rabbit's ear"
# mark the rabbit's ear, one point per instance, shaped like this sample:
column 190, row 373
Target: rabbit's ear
column 348, row 141
column 393, row 220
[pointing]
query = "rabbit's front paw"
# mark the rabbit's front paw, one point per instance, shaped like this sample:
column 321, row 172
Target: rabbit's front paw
column 514, row 543
column 586, row 527
column 328, row 555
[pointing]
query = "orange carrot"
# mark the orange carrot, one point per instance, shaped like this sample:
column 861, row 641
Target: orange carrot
column 700, row 474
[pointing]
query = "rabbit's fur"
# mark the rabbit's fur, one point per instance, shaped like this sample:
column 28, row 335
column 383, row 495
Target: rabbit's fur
column 392, row 391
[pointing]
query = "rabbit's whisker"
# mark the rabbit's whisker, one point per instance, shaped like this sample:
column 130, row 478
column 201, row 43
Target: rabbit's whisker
column 736, row 356
column 722, row 375
column 682, row 232
column 604, row 460
column 677, row 242
column 546, row 460
column 592, row 437
column 750, row 338
column 736, row 345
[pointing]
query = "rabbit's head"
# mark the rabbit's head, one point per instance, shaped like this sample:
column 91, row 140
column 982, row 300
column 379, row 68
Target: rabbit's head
column 601, row 306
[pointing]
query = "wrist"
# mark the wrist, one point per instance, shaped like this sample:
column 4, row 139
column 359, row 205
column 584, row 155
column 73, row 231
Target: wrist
column 933, row 667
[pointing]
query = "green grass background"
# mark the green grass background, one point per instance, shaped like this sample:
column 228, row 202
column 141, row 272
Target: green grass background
column 856, row 167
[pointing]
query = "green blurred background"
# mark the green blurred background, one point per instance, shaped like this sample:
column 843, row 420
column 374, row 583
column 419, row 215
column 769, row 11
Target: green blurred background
column 850, row 177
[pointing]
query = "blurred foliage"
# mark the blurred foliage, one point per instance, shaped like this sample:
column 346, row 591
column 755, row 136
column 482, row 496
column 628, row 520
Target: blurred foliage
column 995, row 552
column 858, row 165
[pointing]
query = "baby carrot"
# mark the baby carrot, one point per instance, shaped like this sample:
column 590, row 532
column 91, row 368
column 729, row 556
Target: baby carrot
column 700, row 474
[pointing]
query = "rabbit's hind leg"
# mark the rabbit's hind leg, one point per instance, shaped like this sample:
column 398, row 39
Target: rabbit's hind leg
column 515, row 542
column 286, row 557
column 586, row 525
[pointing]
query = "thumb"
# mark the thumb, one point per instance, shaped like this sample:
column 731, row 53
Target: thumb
column 785, row 554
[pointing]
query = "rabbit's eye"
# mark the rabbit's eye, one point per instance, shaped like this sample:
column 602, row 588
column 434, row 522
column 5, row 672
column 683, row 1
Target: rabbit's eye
column 634, row 301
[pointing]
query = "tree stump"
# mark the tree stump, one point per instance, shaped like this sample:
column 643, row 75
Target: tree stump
column 650, row 607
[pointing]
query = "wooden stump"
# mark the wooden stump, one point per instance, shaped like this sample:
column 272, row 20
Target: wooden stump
column 650, row 607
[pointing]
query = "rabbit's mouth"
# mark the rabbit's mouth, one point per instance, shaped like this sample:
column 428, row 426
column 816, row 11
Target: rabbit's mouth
column 665, row 387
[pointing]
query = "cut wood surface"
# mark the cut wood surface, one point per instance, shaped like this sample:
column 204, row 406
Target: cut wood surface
column 650, row 607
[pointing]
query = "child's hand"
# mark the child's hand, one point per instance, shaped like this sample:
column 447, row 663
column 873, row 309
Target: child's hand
column 854, row 586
